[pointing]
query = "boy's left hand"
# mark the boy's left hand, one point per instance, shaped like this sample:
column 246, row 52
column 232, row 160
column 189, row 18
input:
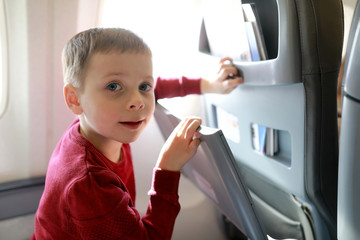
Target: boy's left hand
column 181, row 145
column 226, row 80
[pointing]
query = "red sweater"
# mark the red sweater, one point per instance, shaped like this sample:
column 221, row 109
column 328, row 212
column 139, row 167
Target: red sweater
column 87, row 196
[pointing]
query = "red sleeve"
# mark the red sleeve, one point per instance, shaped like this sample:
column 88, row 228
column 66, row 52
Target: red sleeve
column 176, row 87
column 101, row 208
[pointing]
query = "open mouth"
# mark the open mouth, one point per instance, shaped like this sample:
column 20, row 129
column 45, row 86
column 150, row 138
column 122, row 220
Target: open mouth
column 132, row 125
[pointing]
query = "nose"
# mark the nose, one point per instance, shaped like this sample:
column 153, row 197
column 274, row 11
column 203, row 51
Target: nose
column 135, row 102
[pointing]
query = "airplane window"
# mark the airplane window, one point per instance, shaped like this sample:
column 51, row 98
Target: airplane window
column 3, row 60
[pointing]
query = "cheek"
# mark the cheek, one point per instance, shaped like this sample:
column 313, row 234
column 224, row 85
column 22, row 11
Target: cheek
column 99, row 110
column 151, row 105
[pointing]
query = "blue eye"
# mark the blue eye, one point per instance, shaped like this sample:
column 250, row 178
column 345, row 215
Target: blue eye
column 145, row 87
column 113, row 87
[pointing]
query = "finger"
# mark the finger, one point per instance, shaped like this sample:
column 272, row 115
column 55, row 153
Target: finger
column 181, row 129
column 196, row 135
column 194, row 144
column 230, row 85
column 193, row 124
column 225, row 62
column 228, row 71
column 231, row 69
column 234, row 82
column 222, row 60
column 226, row 75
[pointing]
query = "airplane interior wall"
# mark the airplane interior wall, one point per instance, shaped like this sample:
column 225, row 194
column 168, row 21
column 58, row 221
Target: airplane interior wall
column 16, row 113
column 37, row 31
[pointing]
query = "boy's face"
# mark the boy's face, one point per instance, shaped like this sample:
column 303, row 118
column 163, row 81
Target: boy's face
column 117, row 97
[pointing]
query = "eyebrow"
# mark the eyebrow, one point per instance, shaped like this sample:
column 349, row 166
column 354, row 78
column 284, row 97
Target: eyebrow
column 114, row 74
column 123, row 74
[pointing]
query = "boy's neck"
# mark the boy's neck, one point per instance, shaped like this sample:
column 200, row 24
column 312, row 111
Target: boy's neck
column 110, row 149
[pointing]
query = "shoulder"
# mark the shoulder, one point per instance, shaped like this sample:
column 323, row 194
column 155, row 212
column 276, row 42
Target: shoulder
column 96, row 194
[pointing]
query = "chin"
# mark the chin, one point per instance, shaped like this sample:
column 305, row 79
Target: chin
column 130, row 140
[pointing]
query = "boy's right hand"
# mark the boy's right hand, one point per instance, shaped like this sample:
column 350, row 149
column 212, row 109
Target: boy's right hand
column 223, row 82
column 181, row 145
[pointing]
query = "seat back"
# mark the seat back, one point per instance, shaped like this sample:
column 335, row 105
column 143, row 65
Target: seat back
column 349, row 158
column 293, row 92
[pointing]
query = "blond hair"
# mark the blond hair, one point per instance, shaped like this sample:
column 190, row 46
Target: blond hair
column 79, row 49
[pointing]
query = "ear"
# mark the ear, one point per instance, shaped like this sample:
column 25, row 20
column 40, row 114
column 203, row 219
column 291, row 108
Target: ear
column 71, row 95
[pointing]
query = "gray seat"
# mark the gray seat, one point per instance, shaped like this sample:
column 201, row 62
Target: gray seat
column 349, row 157
column 293, row 92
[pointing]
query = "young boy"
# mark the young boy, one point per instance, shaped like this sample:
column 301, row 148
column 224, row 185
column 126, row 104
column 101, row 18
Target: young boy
column 90, row 187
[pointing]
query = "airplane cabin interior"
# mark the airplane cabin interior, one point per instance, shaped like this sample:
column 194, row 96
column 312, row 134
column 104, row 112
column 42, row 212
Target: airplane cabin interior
column 278, row 158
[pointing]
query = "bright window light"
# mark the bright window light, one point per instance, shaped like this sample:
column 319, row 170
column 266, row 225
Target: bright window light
column 170, row 27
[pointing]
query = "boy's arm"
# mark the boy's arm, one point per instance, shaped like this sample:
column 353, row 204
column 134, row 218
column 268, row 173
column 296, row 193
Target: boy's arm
column 102, row 208
column 225, row 81
column 164, row 198
column 176, row 87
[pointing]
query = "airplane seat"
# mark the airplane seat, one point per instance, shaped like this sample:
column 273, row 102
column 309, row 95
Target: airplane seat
column 349, row 160
column 294, row 92
column 321, row 61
